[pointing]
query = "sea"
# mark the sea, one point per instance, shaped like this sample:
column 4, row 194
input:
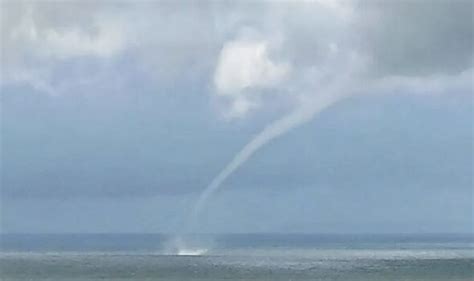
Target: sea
column 401, row 257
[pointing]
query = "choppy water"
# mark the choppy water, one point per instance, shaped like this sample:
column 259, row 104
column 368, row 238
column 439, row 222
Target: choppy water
column 238, row 257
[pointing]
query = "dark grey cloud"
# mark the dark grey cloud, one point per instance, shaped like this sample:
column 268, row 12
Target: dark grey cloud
column 417, row 37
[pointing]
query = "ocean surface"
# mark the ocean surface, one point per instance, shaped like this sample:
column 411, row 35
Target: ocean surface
column 236, row 257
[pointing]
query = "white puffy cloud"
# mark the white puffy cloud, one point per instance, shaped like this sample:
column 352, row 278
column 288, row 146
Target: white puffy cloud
column 286, row 58
column 244, row 66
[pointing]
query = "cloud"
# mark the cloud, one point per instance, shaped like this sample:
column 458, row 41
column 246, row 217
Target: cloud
column 283, row 57
column 175, row 41
column 54, row 42
column 435, row 84
column 416, row 38
column 48, row 30
column 37, row 37
column 243, row 68
column 245, row 64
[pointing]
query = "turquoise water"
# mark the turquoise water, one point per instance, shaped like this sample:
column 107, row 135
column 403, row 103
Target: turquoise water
column 238, row 257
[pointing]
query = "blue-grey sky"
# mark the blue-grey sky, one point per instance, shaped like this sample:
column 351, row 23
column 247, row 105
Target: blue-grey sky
column 115, row 116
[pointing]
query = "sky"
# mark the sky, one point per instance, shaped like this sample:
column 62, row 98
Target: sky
column 116, row 116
